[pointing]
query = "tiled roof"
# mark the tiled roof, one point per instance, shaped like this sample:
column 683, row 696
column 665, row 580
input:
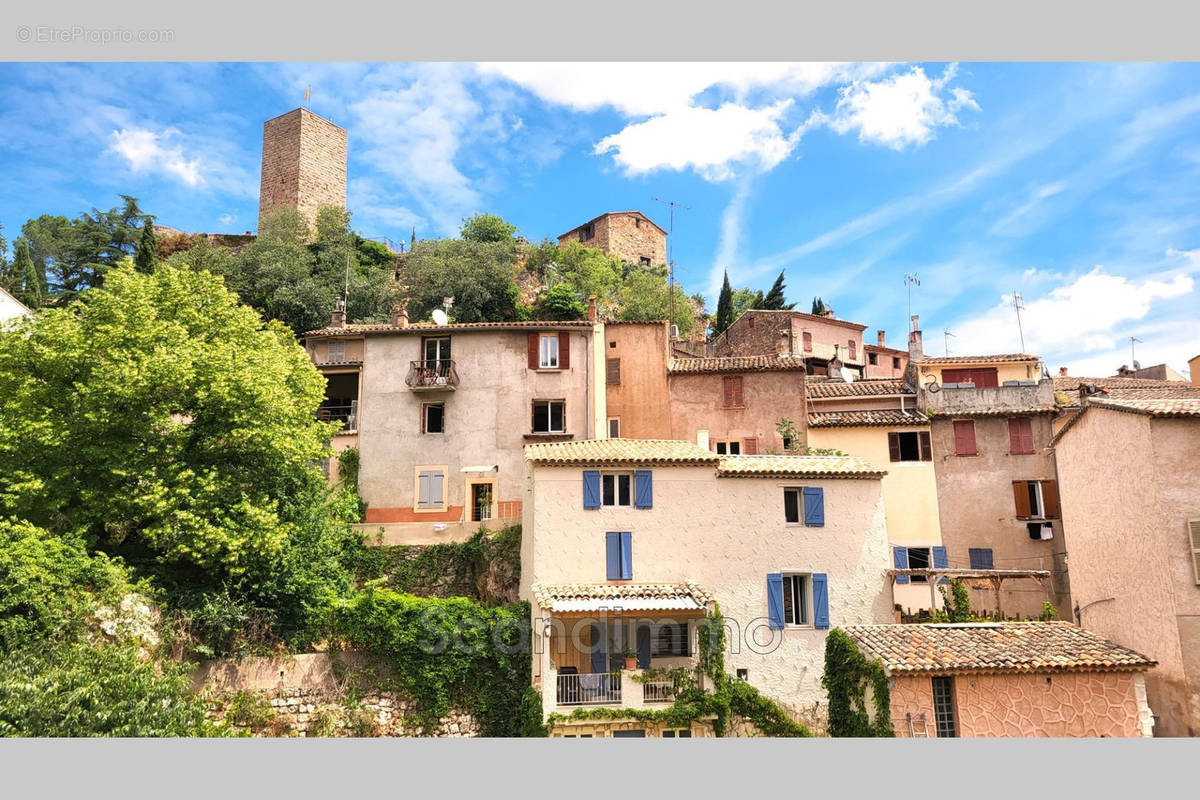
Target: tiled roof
column 992, row 411
column 1128, row 389
column 818, row 389
column 735, row 364
column 378, row 328
column 612, row 214
column 618, row 451
column 1070, row 383
column 798, row 466
column 1175, row 407
column 863, row 419
column 993, row 647
column 996, row 359
column 567, row 597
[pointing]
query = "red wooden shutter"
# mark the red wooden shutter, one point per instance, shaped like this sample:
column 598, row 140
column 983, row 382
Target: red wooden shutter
column 926, row 448
column 532, row 348
column 564, row 350
column 1020, row 435
column 1050, row 499
column 807, row 342
column 1021, row 498
column 732, row 386
column 964, row 438
column 852, row 349
column 894, row 446
column 750, row 446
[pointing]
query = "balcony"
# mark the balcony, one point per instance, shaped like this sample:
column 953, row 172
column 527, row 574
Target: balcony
column 437, row 375
column 566, row 691
column 1016, row 398
column 345, row 413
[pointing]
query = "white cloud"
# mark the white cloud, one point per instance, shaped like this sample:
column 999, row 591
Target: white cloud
column 710, row 140
column 145, row 151
column 900, row 110
column 1009, row 222
column 227, row 219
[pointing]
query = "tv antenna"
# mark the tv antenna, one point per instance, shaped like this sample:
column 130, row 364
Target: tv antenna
column 1132, row 357
column 671, row 204
column 947, row 336
column 911, row 280
column 1018, row 305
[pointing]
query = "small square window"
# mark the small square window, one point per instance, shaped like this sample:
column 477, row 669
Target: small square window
column 895, row 363
column 644, row 261
column 549, row 416
column 433, row 418
column 742, row 674
column 872, row 359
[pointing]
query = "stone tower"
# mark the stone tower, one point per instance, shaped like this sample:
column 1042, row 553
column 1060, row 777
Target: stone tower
column 303, row 164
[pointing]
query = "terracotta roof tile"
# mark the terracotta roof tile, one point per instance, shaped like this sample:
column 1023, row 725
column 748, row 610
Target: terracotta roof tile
column 1127, row 389
column 993, row 647
column 385, row 328
column 863, row 419
column 992, row 411
column 798, row 466
column 993, row 359
column 619, row 451
column 1174, row 407
column 817, row 388
column 567, row 597
column 735, row 364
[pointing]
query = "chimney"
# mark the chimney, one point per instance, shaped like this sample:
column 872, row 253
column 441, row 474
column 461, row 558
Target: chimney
column 339, row 314
column 1062, row 371
column 915, row 349
column 592, row 308
column 827, row 313
column 400, row 315
column 835, row 366
column 880, row 338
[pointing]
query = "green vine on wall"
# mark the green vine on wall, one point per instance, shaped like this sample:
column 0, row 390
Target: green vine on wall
column 349, row 463
column 848, row 676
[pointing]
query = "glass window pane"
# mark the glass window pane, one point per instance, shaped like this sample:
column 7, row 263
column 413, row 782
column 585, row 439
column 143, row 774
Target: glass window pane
column 789, row 610
column 556, row 416
column 623, row 490
column 735, row 448
column 541, row 417
column 608, row 489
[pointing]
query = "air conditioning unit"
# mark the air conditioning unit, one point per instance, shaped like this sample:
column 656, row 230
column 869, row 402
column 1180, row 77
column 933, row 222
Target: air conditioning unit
column 674, row 331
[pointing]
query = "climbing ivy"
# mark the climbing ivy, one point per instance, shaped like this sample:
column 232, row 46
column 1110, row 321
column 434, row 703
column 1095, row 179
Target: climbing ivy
column 848, row 675
column 349, row 463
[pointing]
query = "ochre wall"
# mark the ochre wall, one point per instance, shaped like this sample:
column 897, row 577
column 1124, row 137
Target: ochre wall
column 640, row 399
column 1077, row 704
column 697, row 403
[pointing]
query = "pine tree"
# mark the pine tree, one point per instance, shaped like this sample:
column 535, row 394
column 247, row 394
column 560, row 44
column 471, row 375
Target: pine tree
column 818, row 306
column 774, row 298
column 145, row 257
column 26, row 274
column 724, row 308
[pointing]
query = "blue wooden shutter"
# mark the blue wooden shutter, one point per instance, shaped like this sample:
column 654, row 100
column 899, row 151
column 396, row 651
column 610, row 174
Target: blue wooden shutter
column 626, row 556
column 643, row 481
column 814, row 505
column 612, row 551
column 820, row 587
column 900, row 559
column 600, row 646
column 591, row 488
column 643, row 646
column 775, row 600
column 940, row 562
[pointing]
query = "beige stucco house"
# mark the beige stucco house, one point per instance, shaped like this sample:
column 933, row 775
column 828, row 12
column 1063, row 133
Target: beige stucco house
column 1131, row 509
column 11, row 308
column 1012, row 679
column 628, row 544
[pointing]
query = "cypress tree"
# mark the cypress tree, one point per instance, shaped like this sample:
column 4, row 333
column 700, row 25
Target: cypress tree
column 774, row 298
column 144, row 258
column 26, row 274
column 724, row 308
column 818, row 306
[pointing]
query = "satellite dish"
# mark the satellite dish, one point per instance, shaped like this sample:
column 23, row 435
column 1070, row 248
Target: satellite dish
column 847, row 375
column 440, row 317
column 1136, row 365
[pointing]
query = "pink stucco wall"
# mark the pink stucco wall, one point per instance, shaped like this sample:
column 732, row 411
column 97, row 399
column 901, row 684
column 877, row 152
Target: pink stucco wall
column 1081, row 704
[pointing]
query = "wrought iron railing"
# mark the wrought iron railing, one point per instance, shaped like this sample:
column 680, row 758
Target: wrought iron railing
column 659, row 690
column 598, row 688
column 345, row 413
column 432, row 374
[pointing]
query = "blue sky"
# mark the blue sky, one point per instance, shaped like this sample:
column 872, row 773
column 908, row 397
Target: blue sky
column 1074, row 184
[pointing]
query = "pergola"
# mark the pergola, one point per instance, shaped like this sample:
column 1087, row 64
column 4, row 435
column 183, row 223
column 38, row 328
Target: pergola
column 994, row 577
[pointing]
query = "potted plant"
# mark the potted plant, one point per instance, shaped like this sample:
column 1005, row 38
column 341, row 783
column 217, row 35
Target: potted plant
column 630, row 658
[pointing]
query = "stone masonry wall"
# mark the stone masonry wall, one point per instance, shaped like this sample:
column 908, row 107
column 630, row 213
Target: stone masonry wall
column 303, row 164
column 626, row 236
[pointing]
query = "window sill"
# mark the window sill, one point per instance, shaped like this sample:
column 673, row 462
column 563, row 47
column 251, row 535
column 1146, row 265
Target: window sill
column 549, row 369
column 430, row 510
column 548, row 437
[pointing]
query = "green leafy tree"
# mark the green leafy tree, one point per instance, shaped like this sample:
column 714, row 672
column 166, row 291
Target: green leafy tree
column 560, row 303
column 745, row 300
column 774, row 300
column 487, row 228
column 818, row 306
column 146, row 256
column 478, row 275
column 589, row 271
column 206, row 257
column 644, row 296
column 28, row 280
column 724, row 308
column 160, row 419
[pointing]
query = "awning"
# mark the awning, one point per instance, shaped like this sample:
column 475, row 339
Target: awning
column 592, row 597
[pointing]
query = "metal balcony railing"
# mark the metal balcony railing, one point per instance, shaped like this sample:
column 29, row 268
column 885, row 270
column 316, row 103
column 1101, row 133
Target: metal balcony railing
column 599, row 688
column 437, row 374
column 345, row 413
column 658, row 691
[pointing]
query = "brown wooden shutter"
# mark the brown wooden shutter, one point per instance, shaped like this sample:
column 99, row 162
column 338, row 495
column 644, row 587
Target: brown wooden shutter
column 1050, row 499
column 750, row 446
column 807, row 342
column 613, row 371
column 532, row 348
column 1021, row 498
column 894, row 446
column 564, row 350
column 727, row 385
column 1194, row 541
column 736, row 383
column 964, row 438
column 926, row 447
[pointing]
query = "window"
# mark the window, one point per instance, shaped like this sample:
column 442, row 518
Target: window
column 852, row 349
column 807, row 342
column 1020, row 436
column 981, row 557
column 614, row 427
column 964, row 438
column 612, row 345
column 433, row 418
column 616, row 489
column 796, row 599
column 644, row 261
column 430, row 488
column 982, row 378
column 670, row 639
column 481, row 501
column 742, row 674
column 548, row 351
column 1036, row 499
column 681, row 733
column 549, row 416
column 638, row 734
column 618, row 547
column 729, row 448
column 732, row 395
column 807, row 503
column 613, row 371
column 918, row 558
column 910, row 446
column 943, row 707
column 1194, row 541
column 895, row 363
column 437, row 349
column 587, row 232
column 872, row 359
column 337, row 351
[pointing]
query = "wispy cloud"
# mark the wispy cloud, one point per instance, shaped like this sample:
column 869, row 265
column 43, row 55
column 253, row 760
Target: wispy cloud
column 1008, row 223
column 147, row 150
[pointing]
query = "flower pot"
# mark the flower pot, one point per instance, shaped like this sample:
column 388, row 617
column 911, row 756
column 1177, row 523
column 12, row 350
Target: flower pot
column 631, row 663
